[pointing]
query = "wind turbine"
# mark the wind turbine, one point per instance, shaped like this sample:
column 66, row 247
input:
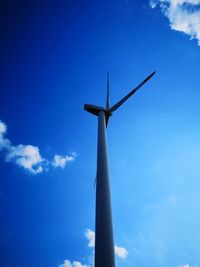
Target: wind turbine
column 104, row 243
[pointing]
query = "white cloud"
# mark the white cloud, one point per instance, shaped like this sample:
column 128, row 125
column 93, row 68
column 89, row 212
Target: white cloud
column 61, row 161
column 119, row 251
column 90, row 235
column 183, row 15
column 67, row 263
column 78, row 264
column 2, row 128
column 29, row 156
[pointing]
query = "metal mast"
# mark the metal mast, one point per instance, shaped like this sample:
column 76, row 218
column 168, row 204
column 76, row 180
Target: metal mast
column 104, row 243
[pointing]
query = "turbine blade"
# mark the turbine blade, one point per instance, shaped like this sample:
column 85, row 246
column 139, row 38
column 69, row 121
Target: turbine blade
column 108, row 93
column 118, row 104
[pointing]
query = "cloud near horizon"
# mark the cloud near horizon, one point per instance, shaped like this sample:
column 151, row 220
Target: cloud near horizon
column 90, row 236
column 119, row 251
column 183, row 15
column 28, row 156
column 68, row 263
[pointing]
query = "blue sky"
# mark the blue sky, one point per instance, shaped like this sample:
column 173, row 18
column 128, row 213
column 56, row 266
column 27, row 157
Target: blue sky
column 54, row 58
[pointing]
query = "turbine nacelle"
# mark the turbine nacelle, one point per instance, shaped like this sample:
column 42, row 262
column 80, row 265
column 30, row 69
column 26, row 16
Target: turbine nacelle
column 96, row 109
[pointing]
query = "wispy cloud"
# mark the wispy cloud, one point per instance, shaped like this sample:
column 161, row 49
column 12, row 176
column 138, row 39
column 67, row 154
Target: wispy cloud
column 121, row 252
column 29, row 156
column 183, row 15
column 61, row 161
column 4, row 143
column 78, row 264
column 68, row 263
